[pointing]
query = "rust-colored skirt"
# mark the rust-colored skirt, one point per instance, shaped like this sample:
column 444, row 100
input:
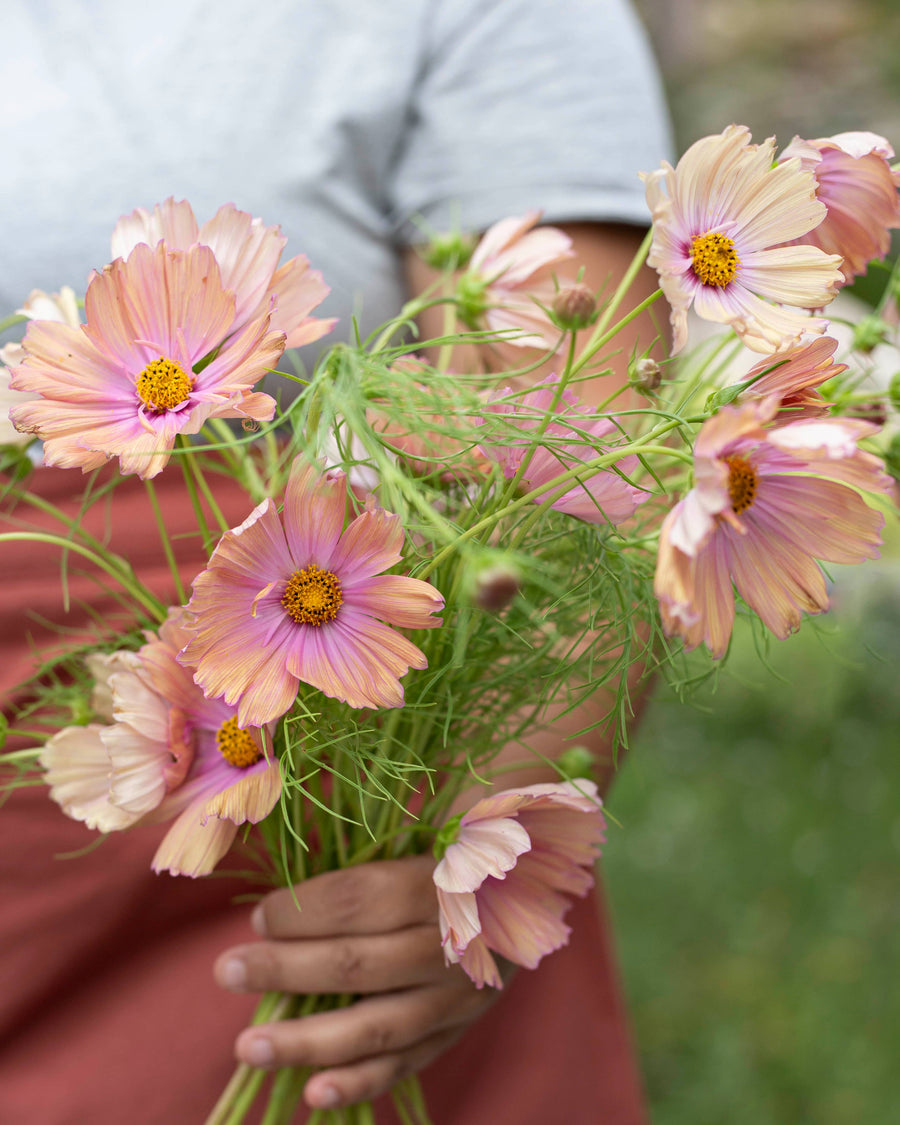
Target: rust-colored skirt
column 108, row 1011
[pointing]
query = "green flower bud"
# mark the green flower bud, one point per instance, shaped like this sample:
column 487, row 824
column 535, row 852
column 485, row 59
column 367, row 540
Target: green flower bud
column 470, row 299
column 724, row 397
column 446, row 836
column 576, row 762
column 449, row 252
column 869, row 333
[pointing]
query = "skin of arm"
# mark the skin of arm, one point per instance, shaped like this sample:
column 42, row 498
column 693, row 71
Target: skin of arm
column 373, row 930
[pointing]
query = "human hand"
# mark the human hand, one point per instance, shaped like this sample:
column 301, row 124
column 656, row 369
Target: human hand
column 371, row 930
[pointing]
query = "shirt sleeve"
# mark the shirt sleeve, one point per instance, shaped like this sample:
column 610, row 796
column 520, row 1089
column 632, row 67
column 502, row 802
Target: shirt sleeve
column 520, row 104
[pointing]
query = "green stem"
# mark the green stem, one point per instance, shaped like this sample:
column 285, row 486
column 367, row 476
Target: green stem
column 208, row 496
column 165, row 541
column 287, row 1089
column 148, row 602
column 73, row 525
column 229, row 1096
column 199, row 514
column 410, row 311
column 12, row 321
column 622, row 288
column 240, row 1093
column 241, row 461
column 449, row 328
column 513, row 485
column 554, row 488
column 596, row 342
column 32, row 753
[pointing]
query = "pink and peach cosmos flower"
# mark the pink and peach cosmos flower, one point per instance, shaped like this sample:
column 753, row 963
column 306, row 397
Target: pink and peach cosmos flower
column 167, row 753
column 856, row 183
column 61, row 307
column 766, row 503
column 161, row 352
column 604, row 496
column 793, row 377
column 301, row 598
column 721, row 218
column 509, row 277
column 247, row 253
column 503, row 882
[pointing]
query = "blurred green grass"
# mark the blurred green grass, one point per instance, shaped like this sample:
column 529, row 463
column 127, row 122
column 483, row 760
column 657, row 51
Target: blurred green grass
column 755, row 879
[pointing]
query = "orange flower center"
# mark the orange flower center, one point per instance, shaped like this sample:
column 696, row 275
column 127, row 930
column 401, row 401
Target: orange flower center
column 742, row 481
column 312, row 596
column 163, row 384
column 713, row 258
column 236, row 746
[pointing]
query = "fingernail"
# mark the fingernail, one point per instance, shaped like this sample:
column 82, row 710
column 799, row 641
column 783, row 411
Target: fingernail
column 324, row 1097
column 233, row 975
column 258, row 920
column 259, row 1051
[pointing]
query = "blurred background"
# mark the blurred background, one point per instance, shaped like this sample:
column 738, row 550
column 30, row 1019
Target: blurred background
column 754, row 871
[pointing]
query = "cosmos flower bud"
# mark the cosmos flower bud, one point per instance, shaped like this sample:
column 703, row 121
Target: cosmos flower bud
column 873, row 411
column 869, row 333
column 574, row 307
column 646, row 375
column 449, row 251
column 577, row 761
column 495, row 585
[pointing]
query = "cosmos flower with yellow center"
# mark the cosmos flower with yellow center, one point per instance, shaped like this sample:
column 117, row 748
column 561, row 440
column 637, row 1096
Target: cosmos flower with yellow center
column 720, row 221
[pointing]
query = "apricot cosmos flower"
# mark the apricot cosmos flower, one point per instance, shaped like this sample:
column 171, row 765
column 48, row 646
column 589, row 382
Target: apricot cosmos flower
column 61, row 307
column 509, row 277
column 856, row 183
column 604, row 496
column 301, row 598
column 503, row 882
column 168, row 753
column 766, row 503
column 247, row 253
column 158, row 355
column 720, row 221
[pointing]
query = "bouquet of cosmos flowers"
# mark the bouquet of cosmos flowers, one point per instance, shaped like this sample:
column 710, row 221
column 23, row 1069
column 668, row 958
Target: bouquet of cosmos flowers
column 430, row 564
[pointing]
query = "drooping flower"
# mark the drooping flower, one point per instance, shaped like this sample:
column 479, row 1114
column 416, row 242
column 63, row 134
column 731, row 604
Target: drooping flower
column 793, row 376
column 77, row 767
column 721, row 218
column 302, row 599
column 61, row 307
column 504, row 881
column 859, row 189
column 247, row 253
column 509, row 277
column 168, row 753
column 766, row 503
column 157, row 356
column 603, row 496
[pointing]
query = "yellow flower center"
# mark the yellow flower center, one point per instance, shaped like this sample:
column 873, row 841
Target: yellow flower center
column 713, row 258
column 163, row 384
column 236, row 746
column 312, row 596
column 742, row 482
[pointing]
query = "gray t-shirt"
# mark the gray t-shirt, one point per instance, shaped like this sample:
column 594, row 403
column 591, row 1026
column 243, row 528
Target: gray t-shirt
column 345, row 121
